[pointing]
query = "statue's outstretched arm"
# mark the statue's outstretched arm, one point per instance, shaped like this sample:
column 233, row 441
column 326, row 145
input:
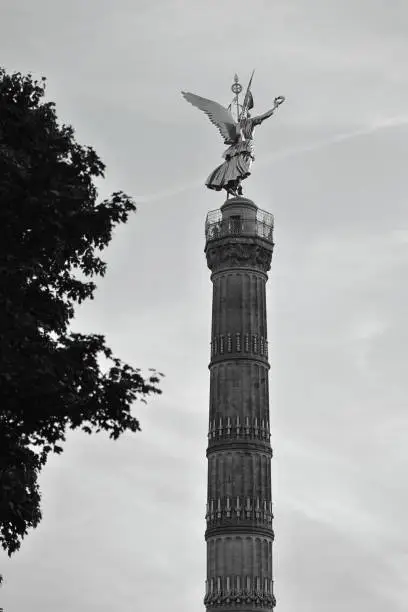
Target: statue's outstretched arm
column 260, row 118
column 277, row 102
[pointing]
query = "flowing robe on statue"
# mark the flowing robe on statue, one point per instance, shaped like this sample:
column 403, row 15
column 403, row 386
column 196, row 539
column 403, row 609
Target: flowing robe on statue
column 238, row 159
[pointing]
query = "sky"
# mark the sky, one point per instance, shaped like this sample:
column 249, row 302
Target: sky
column 123, row 522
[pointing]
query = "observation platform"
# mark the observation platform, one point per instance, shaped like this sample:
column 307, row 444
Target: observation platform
column 239, row 217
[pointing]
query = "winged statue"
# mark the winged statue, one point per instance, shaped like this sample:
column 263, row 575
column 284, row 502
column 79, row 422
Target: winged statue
column 236, row 133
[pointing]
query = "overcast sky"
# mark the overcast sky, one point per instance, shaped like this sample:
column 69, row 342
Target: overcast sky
column 123, row 525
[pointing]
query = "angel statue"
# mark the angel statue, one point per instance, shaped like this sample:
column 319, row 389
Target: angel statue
column 237, row 133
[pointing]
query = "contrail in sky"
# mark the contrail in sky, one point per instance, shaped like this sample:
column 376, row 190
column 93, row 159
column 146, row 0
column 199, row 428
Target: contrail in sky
column 380, row 125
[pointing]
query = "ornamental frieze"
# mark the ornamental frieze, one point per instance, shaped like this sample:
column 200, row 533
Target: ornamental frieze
column 238, row 254
column 240, row 597
column 244, row 344
column 223, row 511
column 228, row 427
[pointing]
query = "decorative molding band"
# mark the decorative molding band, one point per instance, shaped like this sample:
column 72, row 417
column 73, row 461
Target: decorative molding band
column 224, row 592
column 239, row 515
column 215, row 446
column 246, row 528
column 239, row 253
column 237, row 357
column 245, row 344
column 227, row 509
column 226, row 428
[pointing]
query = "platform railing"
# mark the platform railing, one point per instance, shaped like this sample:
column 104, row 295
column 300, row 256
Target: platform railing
column 218, row 227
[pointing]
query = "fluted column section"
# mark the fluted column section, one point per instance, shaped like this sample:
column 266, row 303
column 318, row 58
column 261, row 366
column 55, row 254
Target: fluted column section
column 239, row 499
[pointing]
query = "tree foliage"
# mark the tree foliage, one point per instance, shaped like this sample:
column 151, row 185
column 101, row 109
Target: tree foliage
column 51, row 231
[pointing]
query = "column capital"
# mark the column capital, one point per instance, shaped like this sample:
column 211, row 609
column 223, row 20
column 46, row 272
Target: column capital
column 239, row 252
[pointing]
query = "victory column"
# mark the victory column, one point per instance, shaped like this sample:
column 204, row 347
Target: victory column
column 239, row 245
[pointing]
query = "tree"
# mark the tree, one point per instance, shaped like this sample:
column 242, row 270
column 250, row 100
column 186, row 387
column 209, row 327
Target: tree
column 51, row 230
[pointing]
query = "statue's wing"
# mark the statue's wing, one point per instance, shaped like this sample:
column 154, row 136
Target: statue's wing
column 218, row 115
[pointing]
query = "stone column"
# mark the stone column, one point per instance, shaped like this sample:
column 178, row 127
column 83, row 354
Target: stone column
column 239, row 533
